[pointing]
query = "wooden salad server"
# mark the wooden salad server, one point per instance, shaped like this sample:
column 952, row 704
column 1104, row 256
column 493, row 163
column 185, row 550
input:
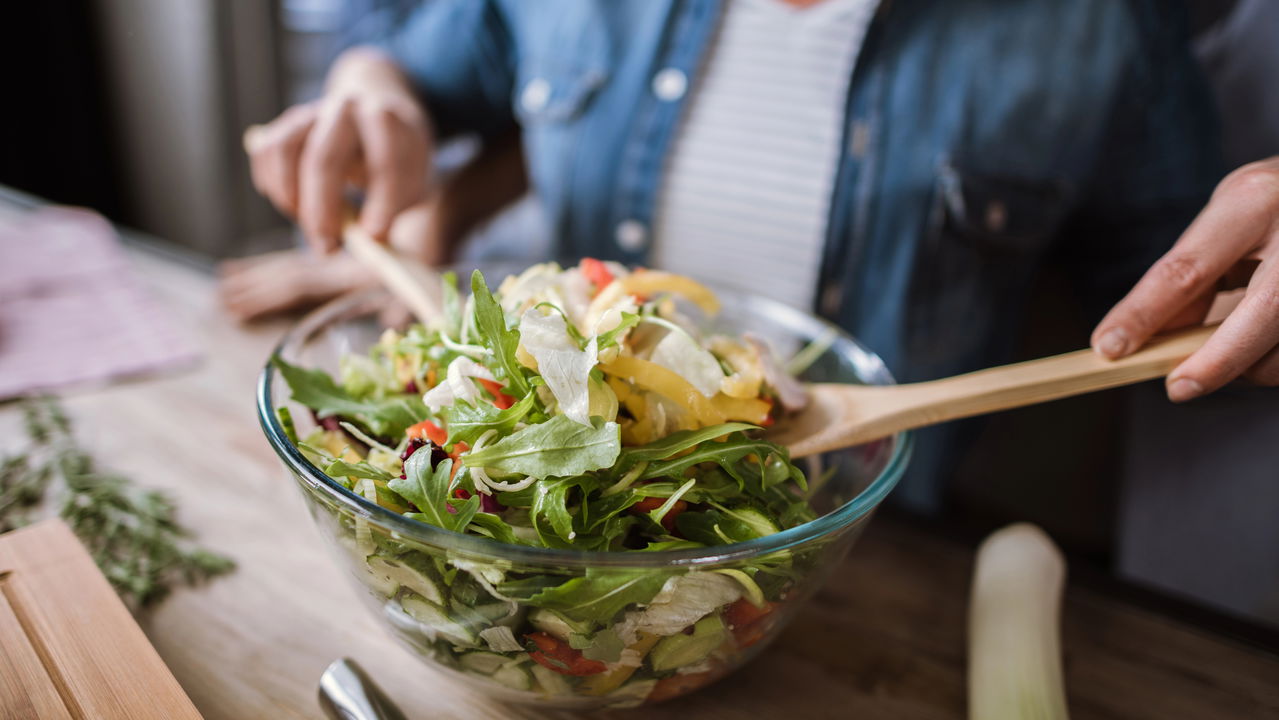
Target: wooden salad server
column 842, row 415
column 415, row 284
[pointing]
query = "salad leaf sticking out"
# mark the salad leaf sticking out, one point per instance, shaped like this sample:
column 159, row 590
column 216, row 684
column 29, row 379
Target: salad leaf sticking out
column 490, row 321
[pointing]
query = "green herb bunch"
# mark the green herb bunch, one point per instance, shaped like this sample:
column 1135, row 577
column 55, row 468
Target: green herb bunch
column 131, row 534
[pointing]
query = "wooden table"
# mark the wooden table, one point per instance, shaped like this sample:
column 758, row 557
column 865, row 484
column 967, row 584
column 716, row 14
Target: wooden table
column 885, row 639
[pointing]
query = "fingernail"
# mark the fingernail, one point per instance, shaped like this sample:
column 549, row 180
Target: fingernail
column 1183, row 389
column 1113, row 343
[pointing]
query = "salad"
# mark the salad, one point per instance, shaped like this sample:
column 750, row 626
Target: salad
column 577, row 409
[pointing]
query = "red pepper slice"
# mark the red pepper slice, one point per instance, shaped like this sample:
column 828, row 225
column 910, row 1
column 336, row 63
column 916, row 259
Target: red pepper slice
column 743, row 613
column 554, row 654
column 650, row 504
column 500, row 399
column 747, row 621
column 456, row 456
column 427, row 430
column 597, row 272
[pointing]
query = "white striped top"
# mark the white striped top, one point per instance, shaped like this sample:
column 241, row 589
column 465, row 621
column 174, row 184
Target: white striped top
column 748, row 181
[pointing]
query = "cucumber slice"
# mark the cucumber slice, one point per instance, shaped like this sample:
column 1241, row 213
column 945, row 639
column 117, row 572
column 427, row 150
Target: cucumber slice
column 551, row 682
column 514, row 676
column 679, row 650
column 486, row 663
column 556, row 625
column 436, row 621
column 632, row 694
column 755, row 520
column 388, row 576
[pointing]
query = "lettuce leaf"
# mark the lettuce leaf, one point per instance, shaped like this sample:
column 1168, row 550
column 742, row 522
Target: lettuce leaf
column 562, row 363
column 684, row 356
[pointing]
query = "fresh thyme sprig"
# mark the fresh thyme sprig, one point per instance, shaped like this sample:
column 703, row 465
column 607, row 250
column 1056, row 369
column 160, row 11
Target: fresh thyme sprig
column 131, row 533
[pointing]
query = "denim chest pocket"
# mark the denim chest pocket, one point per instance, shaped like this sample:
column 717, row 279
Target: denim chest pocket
column 997, row 214
column 987, row 235
column 548, row 94
column 562, row 64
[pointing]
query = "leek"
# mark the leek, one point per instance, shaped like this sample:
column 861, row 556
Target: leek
column 1014, row 647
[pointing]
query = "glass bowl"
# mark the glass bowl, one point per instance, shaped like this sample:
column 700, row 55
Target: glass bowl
column 463, row 602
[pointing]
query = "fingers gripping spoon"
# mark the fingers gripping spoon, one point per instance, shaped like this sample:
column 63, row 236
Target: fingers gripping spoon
column 415, row 284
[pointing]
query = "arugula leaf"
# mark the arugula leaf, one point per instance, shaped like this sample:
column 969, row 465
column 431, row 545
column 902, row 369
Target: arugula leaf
column 490, row 322
column 429, row 490
column 658, row 513
column 362, row 469
column 467, row 422
column 558, row 447
column 602, row 509
column 494, row 527
column 612, row 337
column 599, row 595
column 524, row 588
column 712, row 527
column 387, row 417
column 671, row 545
column 727, row 455
column 676, row 442
column 551, row 502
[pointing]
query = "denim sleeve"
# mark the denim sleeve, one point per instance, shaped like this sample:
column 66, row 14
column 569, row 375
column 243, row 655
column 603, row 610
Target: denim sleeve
column 1157, row 164
column 460, row 56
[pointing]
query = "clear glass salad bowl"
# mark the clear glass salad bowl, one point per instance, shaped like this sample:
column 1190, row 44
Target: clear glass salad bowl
column 461, row 601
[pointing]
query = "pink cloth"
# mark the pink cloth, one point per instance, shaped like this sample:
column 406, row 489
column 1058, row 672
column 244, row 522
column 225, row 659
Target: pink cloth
column 71, row 309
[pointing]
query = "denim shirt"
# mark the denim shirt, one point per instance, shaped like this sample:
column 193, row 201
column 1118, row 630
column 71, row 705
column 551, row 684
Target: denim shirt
column 981, row 138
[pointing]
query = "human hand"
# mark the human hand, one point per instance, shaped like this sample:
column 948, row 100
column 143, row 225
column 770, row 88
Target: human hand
column 1233, row 243
column 368, row 130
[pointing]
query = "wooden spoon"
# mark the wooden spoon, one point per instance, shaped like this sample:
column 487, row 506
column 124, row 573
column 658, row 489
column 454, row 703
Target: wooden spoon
column 840, row 415
column 417, row 285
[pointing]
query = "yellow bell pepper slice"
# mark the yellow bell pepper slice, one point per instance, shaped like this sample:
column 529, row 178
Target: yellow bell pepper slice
column 751, row 410
column 647, row 283
column 667, row 383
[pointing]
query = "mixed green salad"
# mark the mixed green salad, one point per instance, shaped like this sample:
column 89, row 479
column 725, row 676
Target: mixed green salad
column 576, row 409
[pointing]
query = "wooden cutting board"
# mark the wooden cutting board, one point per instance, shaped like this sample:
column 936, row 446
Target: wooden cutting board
column 68, row 646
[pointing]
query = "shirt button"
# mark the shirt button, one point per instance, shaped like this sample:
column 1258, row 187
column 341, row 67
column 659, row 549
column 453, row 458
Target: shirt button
column 536, row 94
column 859, row 139
column 631, row 235
column 996, row 216
column 670, row 84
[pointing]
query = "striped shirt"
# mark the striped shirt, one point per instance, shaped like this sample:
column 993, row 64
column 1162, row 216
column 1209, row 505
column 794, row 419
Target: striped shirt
column 748, row 181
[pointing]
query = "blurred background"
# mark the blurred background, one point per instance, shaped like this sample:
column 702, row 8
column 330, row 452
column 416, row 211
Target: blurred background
column 137, row 109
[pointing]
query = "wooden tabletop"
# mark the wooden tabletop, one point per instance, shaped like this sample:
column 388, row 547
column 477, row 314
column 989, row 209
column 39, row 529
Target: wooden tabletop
column 884, row 639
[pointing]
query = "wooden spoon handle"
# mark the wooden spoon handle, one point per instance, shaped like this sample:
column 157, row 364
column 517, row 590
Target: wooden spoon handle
column 1050, row 378
column 412, row 282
